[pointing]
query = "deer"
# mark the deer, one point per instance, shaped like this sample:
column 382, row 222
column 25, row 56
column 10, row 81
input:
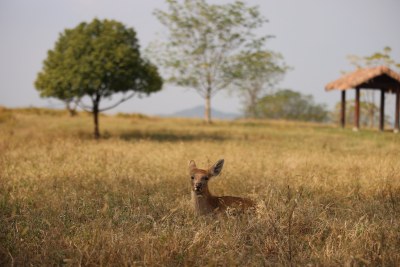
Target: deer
column 204, row 202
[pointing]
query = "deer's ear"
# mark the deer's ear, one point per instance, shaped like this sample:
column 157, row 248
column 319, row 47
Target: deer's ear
column 192, row 166
column 216, row 168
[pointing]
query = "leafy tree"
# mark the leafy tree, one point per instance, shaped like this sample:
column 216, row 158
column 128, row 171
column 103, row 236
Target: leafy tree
column 51, row 82
column 382, row 58
column 291, row 105
column 97, row 60
column 202, row 39
column 253, row 73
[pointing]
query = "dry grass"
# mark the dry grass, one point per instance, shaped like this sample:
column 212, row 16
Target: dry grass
column 326, row 196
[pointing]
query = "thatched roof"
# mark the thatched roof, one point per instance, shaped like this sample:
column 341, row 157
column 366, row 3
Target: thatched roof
column 378, row 77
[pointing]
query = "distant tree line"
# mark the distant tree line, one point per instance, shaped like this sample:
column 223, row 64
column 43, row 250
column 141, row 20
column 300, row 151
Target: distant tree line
column 291, row 105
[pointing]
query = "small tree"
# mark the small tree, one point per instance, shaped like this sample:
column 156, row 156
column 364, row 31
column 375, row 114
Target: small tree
column 291, row 105
column 202, row 38
column 97, row 60
column 252, row 74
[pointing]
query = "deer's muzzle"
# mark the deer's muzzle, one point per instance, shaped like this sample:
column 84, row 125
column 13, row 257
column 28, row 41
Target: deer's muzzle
column 198, row 188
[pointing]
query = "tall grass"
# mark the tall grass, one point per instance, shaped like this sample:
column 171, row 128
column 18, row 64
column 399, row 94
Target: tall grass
column 325, row 196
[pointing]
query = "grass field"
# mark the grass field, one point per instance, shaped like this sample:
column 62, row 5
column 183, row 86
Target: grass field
column 325, row 196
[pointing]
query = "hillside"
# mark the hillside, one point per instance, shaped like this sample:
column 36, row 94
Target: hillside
column 198, row 112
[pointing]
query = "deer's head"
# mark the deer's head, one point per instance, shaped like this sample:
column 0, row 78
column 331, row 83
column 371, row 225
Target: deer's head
column 199, row 178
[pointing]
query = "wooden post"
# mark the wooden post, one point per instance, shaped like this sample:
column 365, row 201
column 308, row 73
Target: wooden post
column 397, row 111
column 343, row 110
column 382, row 115
column 357, row 110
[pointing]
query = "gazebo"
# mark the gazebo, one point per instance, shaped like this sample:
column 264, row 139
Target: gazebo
column 379, row 78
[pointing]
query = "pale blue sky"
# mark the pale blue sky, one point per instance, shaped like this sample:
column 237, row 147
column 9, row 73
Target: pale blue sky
column 314, row 36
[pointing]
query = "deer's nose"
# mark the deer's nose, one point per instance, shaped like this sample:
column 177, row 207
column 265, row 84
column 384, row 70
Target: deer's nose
column 197, row 186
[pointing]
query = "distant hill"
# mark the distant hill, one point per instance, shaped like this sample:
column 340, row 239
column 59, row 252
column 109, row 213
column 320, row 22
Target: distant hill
column 198, row 112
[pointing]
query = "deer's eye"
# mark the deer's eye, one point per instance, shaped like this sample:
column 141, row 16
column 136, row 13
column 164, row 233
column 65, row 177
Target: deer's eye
column 192, row 177
column 205, row 178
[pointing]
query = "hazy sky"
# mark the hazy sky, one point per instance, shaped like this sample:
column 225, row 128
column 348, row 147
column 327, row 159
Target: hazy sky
column 314, row 36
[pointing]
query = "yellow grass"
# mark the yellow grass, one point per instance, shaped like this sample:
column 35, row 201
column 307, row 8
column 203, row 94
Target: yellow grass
column 325, row 196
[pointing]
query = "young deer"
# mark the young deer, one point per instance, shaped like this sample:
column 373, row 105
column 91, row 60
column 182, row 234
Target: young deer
column 202, row 199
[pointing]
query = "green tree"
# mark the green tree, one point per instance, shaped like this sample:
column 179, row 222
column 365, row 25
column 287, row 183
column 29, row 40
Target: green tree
column 252, row 74
column 202, row 38
column 291, row 105
column 382, row 58
column 97, row 60
column 51, row 81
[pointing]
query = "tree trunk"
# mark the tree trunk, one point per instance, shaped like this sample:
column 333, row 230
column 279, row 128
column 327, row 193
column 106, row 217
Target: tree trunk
column 207, row 111
column 71, row 110
column 372, row 114
column 252, row 108
column 96, row 124
column 96, row 103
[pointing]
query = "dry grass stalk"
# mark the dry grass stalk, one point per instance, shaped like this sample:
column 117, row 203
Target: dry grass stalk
column 65, row 199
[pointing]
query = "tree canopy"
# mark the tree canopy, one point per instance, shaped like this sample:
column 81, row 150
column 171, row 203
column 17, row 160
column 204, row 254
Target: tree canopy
column 291, row 105
column 202, row 38
column 254, row 72
column 376, row 59
column 97, row 60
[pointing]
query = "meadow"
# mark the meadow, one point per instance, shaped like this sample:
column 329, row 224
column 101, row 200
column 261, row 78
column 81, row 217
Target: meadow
column 325, row 196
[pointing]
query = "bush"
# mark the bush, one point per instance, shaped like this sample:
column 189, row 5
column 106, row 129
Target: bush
column 291, row 105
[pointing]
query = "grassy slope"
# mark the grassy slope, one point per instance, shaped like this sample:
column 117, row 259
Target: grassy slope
column 325, row 196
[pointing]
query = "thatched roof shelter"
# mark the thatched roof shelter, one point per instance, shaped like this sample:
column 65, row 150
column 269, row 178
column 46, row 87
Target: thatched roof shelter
column 371, row 78
column 378, row 78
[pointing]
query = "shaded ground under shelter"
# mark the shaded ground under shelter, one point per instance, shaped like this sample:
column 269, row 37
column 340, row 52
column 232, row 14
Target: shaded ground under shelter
column 380, row 78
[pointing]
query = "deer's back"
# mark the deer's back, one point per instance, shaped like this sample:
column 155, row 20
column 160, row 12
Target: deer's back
column 239, row 203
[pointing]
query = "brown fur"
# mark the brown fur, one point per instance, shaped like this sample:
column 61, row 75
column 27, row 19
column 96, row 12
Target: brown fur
column 204, row 202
